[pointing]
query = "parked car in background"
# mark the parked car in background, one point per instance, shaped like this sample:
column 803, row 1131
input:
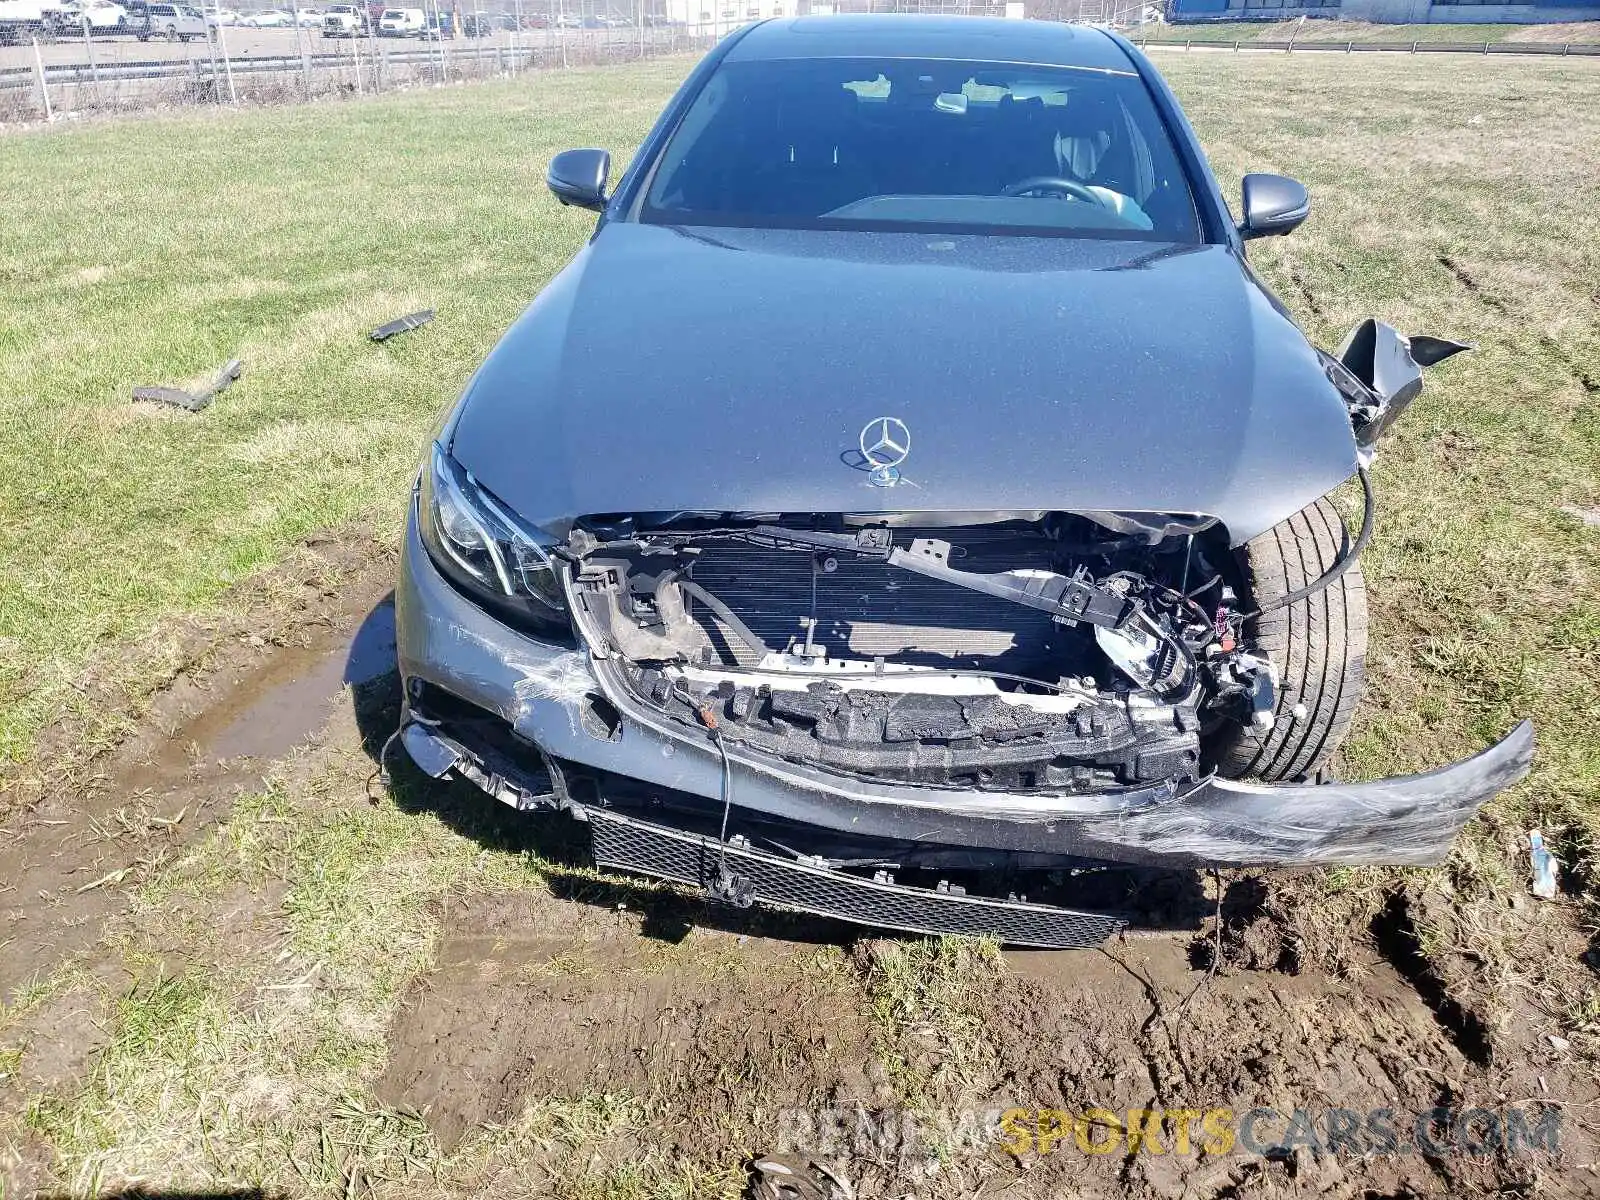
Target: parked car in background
column 221, row 16
column 98, row 15
column 437, row 27
column 568, row 21
column 307, row 18
column 401, row 22
column 173, row 22
column 24, row 19
column 344, row 20
column 267, row 18
column 477, row 25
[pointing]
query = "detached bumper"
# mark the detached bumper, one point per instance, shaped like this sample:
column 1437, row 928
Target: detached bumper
column 546, row 694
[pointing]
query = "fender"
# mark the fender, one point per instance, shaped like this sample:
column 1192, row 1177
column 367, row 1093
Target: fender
column 1378, row 371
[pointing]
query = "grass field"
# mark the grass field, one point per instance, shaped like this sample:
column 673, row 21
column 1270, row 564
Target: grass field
column 1450, row 197
column 154, row 253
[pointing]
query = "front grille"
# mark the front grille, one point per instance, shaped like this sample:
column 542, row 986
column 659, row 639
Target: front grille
column 627, row 844
column 866, row 608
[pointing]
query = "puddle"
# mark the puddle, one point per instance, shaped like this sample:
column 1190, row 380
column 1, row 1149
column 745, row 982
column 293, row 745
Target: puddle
column 273, row 722
column 67, row 863
column 283, row 710
column 274, row 707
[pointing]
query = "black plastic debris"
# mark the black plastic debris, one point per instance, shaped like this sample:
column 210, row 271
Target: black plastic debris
column 798, row 1177
column 192, row 401
column 403, row 324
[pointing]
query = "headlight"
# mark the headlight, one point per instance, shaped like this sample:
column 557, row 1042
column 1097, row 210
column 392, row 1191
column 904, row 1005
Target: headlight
column 487, row 551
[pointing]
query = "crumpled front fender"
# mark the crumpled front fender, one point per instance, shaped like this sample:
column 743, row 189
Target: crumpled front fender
column 1405, row 821
column 1378, row 371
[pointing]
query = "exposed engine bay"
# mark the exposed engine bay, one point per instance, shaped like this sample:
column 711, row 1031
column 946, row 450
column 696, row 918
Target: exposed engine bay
column 1006, row 652
column 829, row 711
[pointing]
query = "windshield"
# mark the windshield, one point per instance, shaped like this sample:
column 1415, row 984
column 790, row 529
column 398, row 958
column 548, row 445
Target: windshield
column 909, row 143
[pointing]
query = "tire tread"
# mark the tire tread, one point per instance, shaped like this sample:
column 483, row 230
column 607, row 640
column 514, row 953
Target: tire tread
column 1319, row 645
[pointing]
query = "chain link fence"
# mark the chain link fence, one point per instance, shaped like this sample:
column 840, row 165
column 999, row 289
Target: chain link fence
column 98, row 56
column 174, row 55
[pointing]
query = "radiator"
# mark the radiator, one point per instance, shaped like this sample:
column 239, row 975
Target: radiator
column 866, row 608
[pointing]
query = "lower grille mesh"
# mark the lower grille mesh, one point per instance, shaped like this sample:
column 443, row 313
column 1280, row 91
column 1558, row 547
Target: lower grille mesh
column 625, row 844
column 865, row 609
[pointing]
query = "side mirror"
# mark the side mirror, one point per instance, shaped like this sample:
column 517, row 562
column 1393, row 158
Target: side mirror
column 1273, row 204
column 579, row 177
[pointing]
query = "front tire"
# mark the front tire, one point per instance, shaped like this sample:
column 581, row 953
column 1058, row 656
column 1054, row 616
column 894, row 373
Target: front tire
column 1318, row 644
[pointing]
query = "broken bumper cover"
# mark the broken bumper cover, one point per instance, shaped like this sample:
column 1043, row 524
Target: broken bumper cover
column 541, row 691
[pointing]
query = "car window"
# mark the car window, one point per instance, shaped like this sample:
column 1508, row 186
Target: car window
column 850, row 142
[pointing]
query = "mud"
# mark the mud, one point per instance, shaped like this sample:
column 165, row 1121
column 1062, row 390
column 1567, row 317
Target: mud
column 537, row 998
column 255, row 693
column 725, row 1025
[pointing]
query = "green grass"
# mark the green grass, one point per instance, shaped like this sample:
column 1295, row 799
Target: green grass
column 931, row 1004
column 1485, row 593
column 154, row 251
column 1464, row 204
column 249, row 1061
column 1363, row 31
column 253, row 1063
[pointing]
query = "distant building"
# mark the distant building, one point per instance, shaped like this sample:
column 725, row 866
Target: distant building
column 1388, row 11
column 721, row 16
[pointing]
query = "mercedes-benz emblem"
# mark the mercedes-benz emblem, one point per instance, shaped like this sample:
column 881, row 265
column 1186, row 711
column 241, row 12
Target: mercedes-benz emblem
column 885, row 442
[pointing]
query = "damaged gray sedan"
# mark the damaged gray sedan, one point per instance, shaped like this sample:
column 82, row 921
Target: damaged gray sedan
column 910, row 481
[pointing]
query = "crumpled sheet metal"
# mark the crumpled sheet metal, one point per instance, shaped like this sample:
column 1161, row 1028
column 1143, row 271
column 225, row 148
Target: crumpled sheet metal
column 1407, row 821
column 539, row 689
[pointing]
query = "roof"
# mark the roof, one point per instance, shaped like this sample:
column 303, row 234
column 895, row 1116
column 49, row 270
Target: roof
column 886, row 35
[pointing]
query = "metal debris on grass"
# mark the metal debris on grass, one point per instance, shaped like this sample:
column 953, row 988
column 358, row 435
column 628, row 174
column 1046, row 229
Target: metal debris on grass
column 403, row 324
column 798, row 1177
column 192, row 401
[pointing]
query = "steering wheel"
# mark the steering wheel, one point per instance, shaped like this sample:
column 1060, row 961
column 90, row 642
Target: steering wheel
column 1053, row 185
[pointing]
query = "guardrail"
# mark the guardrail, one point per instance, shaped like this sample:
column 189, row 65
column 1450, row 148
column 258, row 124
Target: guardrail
column 364, row 64
column 79, row 74
column 214, row 78
column 1548, row 49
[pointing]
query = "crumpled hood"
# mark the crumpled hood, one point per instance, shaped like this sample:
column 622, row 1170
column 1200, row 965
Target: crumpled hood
column 734, row 370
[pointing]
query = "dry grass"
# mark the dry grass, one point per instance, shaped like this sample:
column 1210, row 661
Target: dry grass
column 152, row 252
column 1464, row 205
column 266, row 965
column 930, row 1006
